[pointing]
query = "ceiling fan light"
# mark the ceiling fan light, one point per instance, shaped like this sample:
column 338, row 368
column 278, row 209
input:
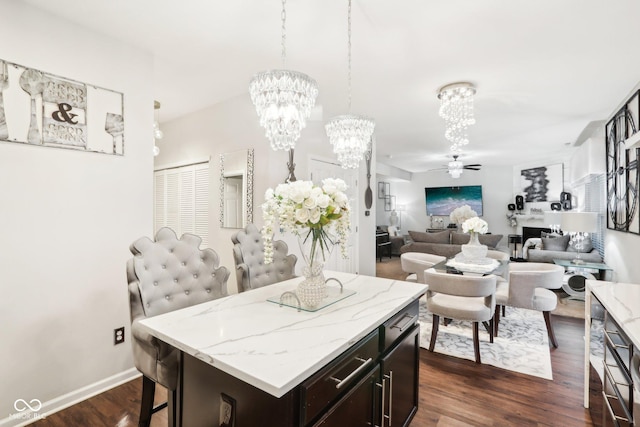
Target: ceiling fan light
column 455, row 173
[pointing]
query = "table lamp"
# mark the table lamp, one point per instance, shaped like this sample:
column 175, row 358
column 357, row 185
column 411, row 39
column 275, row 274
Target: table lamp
column 553, row 219
column 579, row 225
column 515, row 243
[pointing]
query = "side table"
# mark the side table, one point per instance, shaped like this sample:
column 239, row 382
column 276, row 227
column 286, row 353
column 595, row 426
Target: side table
column 577, row 274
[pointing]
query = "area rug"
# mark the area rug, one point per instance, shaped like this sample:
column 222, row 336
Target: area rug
column 522, row 344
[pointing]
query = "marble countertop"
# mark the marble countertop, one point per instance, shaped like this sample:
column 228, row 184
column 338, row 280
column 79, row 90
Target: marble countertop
column 275, row 348
column 622, row 301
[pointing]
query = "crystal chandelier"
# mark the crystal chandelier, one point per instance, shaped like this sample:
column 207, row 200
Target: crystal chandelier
column 456, row 108
column 350, row 134
column 283, row 99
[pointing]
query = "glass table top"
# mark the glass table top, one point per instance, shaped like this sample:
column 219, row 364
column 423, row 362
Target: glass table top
column 594, row 265
column 334, row 294
column 446, row 267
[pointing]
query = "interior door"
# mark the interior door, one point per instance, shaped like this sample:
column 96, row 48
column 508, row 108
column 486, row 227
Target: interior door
column 319, row 170
column 233, row 202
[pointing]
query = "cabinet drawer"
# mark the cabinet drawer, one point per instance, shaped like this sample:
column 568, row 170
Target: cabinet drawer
column 324, row 387
column 620, row 346
column 617, row 396
column 398, row 325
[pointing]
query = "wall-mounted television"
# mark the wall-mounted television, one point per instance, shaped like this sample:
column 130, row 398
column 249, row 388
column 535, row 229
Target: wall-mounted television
column 443, row 200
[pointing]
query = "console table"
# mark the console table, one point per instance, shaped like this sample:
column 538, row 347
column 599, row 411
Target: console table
column 575, row 285
column 248, row 361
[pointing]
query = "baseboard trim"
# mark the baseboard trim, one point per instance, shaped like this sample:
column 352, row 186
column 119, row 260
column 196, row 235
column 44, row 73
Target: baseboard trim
column 59, row 403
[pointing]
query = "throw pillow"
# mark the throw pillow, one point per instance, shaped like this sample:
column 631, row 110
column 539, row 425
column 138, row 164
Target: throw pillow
column 587, row 246
column 491, row 240
column 459, row 238
column 437, row 237
column 553, row 234
column 555, row 243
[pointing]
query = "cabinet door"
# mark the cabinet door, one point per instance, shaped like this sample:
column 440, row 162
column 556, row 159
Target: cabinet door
column 400, row 371
column 356, row 408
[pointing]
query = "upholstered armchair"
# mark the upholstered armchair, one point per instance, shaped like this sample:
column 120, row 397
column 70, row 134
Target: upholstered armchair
column 165, row 275
column 454, row 296
column 529, row 286
column 248, row 254
column 415, row 263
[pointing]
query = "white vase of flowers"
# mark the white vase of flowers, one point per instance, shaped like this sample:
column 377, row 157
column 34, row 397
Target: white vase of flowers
column 461, row 214
column 474, row 250
column 319, row 217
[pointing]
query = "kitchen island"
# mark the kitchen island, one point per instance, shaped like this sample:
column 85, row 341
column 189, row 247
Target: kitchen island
column 247, row 361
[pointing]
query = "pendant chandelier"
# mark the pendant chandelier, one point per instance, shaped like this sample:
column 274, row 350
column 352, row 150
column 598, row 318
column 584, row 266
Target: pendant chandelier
column 456, row 108
column 157, row 132
column 350, row 134
column 283, row 100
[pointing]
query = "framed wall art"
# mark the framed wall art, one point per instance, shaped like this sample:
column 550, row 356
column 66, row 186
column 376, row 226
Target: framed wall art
column 42, row 109
column 389, row 203
column 384, row 188
column 623, row 180
column 542, row 184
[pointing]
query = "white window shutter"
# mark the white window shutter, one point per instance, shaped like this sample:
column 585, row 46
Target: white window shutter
column 182, row 200
column 201, row 200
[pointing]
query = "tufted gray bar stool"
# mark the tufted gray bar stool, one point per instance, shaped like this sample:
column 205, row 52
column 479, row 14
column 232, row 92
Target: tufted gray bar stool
column 165, row 275
column 248, row 254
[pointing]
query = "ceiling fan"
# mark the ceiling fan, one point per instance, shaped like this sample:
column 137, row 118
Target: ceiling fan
column 455, row 167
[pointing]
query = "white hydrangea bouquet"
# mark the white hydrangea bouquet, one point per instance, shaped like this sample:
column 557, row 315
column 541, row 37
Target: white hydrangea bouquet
column 475, row 225
column 310, row 212
column 461, row 214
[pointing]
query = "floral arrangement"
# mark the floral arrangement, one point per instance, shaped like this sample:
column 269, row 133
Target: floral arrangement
column 461, row 214
column 475, row 225
column 310, row 212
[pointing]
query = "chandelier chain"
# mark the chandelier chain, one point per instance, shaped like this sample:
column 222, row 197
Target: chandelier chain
column 283, row 17
column 349, row 53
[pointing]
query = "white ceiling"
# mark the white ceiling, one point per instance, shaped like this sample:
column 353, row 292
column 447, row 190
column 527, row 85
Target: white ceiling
column 543, row 69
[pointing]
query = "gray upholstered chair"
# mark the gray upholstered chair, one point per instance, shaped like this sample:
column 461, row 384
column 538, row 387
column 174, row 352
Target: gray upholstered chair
column 528, row 286
column 456, row 296
column 165, row 275
column 415, row 263
column 248, row 254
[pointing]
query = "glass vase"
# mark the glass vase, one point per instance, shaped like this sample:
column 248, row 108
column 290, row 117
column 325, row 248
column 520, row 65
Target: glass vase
column 315, row 247
column 474, row 250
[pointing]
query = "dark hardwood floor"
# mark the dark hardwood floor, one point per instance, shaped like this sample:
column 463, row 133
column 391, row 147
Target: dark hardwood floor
column 453, row 392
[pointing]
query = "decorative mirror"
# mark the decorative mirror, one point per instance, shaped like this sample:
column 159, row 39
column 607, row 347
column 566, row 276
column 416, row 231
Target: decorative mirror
column 236, row 189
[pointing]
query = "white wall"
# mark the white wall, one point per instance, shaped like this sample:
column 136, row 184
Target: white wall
column 497, row 192
column 67, row 219
column 234, row 125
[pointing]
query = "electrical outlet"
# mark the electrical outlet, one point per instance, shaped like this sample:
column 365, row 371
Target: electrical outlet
column 118, row 335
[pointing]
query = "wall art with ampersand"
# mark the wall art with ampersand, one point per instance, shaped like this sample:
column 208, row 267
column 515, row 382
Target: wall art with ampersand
column 42, row 109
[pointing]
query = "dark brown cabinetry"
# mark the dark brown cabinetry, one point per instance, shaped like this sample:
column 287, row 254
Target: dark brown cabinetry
column 400, row 375
column 373, row 383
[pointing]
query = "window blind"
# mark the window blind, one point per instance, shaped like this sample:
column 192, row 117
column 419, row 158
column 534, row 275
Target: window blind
column 595, row 201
